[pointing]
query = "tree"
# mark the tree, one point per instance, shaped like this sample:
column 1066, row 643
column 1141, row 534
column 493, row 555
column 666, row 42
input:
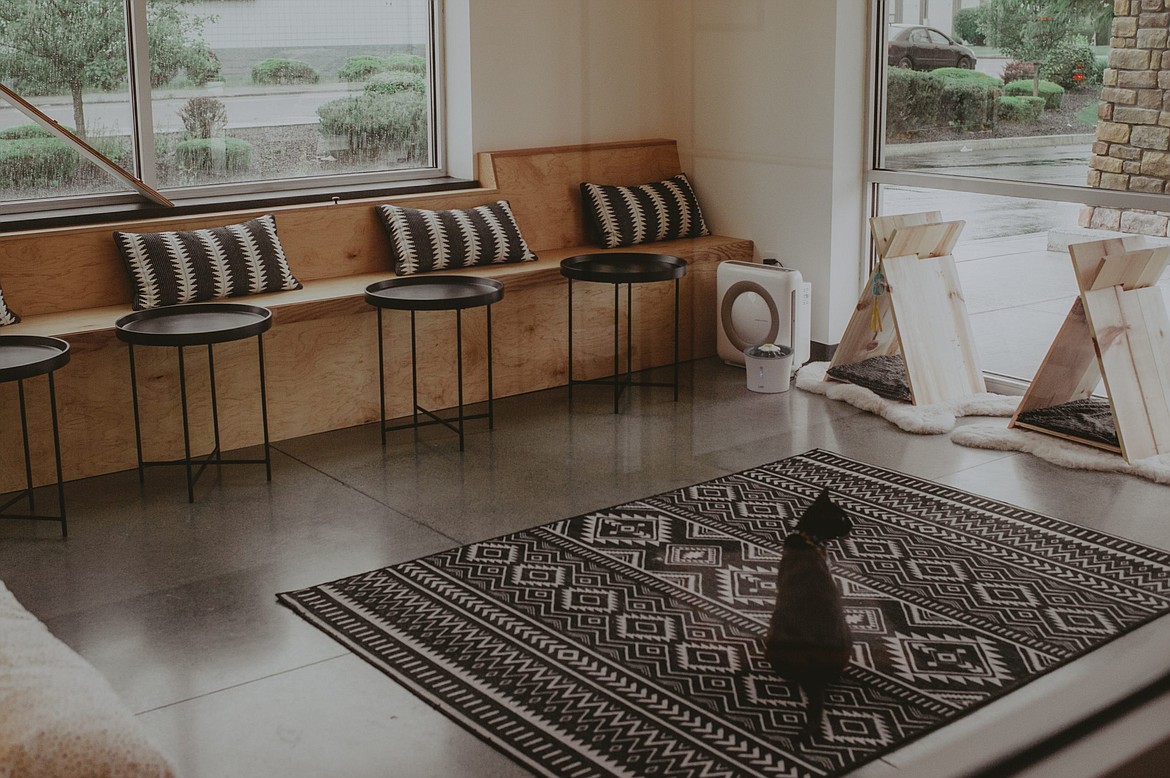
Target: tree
column 69, row 45
column 1028, row 30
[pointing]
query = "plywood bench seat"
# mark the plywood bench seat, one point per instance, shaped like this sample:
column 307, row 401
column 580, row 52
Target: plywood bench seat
column 321, row 354
column 344, row 295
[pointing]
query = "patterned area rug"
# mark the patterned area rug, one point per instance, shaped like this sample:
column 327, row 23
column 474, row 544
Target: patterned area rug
column 628, row 641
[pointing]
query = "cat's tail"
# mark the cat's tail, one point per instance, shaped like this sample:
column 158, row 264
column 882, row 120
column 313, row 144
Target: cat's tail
column 814, row 713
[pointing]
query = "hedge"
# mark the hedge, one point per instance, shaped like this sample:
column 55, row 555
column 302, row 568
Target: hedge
column 922, row 100
column 1020, row 109
column 1053, row 94
column 284, row 71
column 36, row 161
column 364, row 67
column 373, row 122
column 213, row 155
column 395, row 81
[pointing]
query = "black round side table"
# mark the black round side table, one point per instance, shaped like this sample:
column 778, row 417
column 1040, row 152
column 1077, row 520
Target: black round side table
column 27, row 356
column 434, row 293
column 627, row 268
column 197, row 324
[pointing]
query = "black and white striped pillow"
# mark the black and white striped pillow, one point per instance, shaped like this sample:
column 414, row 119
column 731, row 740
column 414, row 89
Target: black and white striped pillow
column 421, row 241
column 6, row 314
column 169, row 268
column 629, row 215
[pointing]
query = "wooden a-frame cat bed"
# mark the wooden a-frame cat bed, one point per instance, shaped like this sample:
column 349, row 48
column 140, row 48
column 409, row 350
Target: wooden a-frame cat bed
column 920, row 312
column 1117, row 329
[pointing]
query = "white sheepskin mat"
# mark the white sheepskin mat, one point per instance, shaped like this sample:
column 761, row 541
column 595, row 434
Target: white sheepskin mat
column 919, row 419
column 1063, row 453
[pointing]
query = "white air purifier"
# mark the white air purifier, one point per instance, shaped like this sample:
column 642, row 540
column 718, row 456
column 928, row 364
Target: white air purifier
column 761, row 303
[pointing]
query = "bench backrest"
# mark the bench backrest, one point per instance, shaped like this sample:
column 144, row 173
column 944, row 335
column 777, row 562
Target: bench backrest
column 72, row 268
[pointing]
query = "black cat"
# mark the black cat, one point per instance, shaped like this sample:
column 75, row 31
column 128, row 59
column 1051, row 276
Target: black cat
column 808, row 640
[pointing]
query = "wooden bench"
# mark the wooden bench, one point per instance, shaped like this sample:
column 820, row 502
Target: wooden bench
column 321, row 354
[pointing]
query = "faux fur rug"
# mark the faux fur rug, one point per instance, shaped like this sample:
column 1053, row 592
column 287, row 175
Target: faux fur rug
column 1063, row 453
column 919, row 419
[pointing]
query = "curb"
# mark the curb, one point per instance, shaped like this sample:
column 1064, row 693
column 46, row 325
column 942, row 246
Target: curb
column 986, row 144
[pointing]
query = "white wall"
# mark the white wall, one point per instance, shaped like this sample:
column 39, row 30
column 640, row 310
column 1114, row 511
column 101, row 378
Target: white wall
column 766, row 99
column 779, row 106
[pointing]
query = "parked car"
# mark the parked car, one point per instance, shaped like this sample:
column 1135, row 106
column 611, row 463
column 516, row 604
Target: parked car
column 925, row 48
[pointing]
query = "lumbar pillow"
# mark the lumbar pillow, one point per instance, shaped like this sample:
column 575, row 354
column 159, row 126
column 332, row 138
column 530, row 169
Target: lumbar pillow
column 168, row 268
column 6, row 314
column 445, row 240
column 629, row 215
column 58, row 716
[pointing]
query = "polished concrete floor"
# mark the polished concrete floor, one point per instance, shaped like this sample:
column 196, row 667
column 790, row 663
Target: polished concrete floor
column 174, row 603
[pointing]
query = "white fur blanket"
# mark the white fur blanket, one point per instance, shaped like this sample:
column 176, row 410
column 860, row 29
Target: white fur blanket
column 919, row 419
column 1063, row 453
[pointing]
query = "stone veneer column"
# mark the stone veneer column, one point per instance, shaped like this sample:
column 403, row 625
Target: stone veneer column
column 1132, row 151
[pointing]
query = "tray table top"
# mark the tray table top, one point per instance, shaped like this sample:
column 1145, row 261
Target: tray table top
column 623, row 267
column 24, row 356
column 434, row 293
column 193, row 324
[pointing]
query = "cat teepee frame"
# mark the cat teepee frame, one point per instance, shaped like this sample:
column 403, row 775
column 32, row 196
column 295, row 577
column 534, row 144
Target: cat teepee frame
column 913, row 305
column 1117, row 329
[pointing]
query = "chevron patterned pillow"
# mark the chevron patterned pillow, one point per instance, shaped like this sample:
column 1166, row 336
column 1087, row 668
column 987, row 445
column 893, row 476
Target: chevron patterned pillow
column 629, row 215
column 6, row 314
column 421, row 241
column 168, row 268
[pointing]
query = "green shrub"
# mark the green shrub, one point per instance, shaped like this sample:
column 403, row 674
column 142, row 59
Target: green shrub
column 284, row 71
column 968, row 105
column 22, row 131
column 1053, row 94
column 373, row 123
column 36, row 161
column 967, row 27
column 1020, row 109
column 361, row 68
column 213, row 155
column 395, row 81
column 1071, row 64
column 912, row 100
column 967, row 76
column 411, row 63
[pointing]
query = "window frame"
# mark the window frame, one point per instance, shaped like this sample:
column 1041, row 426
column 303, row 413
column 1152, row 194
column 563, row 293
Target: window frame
column 41, row 212
column 878, row 173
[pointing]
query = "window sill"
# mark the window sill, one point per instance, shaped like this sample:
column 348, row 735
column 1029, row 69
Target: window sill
column 37, row 220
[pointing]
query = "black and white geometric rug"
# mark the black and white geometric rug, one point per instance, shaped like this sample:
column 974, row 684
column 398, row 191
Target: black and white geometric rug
column 628, row 641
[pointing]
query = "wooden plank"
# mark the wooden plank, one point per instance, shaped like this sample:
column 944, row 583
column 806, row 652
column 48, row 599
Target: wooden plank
column 1069, row 371
column 1132, row 270
column 1088, row 256
column 859, row 341
column 1130, row 330
column 925, row 240
column 883, row 227
column 933, row 328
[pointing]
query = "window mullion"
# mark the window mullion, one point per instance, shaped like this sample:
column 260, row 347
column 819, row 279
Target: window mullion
column 138, row 54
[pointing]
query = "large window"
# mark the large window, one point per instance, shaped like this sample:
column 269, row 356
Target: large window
column 1017, row 117
column 208, row 98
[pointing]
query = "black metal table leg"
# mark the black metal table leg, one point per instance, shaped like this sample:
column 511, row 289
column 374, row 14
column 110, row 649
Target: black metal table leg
column 264, row 407
column 381, row 379
column 57, row 457
column 186, row 428
column 616, row 339
column 28, row 479
column 570, row 340
column 491, row 410
column 676, row 285
column 459, row 368
column 214, row 404
column 413, row 372
column 137, row 418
